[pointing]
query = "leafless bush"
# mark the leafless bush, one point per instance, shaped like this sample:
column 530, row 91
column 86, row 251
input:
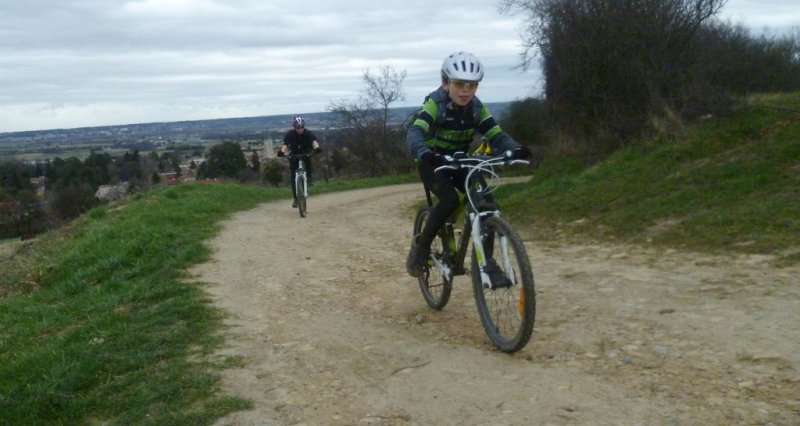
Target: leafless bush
column 376, row 147
column 610, row 65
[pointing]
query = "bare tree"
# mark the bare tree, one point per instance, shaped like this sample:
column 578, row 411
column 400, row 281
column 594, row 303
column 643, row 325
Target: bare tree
column 377, row 147
column 385, row 88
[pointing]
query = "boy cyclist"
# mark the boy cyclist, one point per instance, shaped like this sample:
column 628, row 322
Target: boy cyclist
column 447, row 124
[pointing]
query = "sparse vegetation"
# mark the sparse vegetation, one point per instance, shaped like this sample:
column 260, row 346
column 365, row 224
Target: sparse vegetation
column 731, row 183
column 373, row 147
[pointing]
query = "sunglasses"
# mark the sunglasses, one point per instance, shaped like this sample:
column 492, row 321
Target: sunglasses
column 464, row 85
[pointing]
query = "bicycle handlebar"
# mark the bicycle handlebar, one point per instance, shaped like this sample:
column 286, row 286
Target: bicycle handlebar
column 459, row 160
column 293, row 156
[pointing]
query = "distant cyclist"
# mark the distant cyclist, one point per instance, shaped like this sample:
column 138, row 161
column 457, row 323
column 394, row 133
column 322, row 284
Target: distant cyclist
column 447, row 123
column 297, row 141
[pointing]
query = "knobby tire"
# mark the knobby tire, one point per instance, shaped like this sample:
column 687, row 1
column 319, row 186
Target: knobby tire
column 301, row 196
column 435, row 288
column 507, row 314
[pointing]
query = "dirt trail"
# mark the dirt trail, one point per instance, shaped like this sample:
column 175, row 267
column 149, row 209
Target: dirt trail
column 331, row 330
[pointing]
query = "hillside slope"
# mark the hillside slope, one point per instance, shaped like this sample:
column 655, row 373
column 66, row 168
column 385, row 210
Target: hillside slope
column 104, row 326
column 729, row 183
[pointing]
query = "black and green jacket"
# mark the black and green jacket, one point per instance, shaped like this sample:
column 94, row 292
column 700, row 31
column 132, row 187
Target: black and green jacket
column 445, row 128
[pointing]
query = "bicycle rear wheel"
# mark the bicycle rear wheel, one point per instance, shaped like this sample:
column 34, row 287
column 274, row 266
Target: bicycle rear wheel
column 435, row 287
column 507, row 310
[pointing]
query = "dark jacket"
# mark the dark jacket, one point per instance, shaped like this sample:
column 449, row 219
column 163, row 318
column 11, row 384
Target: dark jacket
column 299, row 144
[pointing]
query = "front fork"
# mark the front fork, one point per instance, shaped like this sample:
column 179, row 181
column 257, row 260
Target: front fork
column 480, row 252
column 301, row 189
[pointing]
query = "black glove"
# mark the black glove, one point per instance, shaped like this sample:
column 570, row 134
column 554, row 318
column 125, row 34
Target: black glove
column 521, row 153
column 431, row 158
column 317, row 150
column 281, row 154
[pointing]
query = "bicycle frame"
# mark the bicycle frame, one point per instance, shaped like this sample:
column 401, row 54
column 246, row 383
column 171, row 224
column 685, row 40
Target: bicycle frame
column 473, row 211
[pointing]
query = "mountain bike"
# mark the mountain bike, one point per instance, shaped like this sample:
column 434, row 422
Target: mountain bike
column 300, row 181
column 502, row 278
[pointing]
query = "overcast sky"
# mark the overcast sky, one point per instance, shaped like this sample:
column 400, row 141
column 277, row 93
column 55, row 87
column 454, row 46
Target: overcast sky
column 77, row 63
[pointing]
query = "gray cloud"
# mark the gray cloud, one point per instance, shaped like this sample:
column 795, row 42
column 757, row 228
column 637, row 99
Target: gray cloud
column 73, row 63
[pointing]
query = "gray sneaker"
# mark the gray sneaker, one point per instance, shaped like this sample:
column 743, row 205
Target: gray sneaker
column 294, row 203
column 417, row 260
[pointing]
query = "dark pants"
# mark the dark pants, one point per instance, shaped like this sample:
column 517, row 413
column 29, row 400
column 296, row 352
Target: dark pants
column 446, row 184
column 293, row 164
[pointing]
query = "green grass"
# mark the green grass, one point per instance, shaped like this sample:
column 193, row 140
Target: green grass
column 99, row 325
column 732, row 184
column 109, row 333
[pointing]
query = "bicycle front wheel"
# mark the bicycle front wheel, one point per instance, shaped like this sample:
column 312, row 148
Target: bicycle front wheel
column 508, row 309
column 435, row 286
column 301, row 195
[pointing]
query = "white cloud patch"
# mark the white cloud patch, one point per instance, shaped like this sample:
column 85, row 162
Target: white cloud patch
column 74, row 63
column 761, row 14
column 178, row 8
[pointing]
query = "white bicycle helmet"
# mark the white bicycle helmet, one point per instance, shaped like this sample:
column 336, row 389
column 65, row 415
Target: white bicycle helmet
column 298, row 122
column 462, row 66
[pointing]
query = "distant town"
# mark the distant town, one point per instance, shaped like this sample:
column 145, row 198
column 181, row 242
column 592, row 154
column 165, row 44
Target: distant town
column 49, row 177
column 79, row 142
